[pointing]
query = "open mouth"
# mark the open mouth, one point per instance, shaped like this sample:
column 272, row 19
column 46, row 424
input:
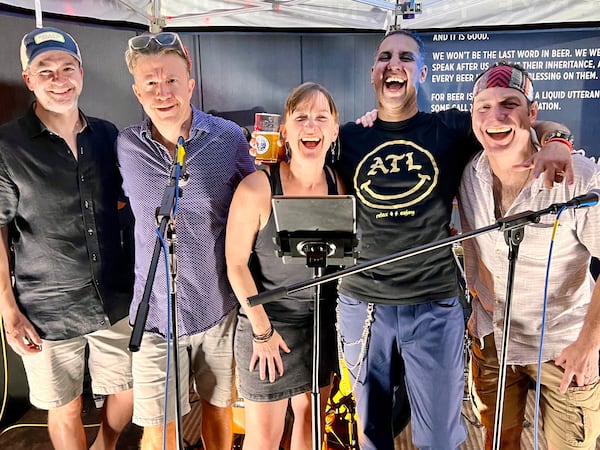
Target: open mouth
column 310, row 142
column 61, row 92
column 499, row 132
column 394, row 83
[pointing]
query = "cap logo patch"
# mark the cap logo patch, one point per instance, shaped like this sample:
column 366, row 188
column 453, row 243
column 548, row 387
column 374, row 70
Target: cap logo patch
column 48, row 36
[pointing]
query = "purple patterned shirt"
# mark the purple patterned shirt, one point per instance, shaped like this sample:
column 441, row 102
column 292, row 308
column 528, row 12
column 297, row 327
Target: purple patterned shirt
column 217, row 159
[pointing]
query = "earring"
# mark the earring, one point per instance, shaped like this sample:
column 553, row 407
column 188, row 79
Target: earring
column 288, row 152
column 334, row 150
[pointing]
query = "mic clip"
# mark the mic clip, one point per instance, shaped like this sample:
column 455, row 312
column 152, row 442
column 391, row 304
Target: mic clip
column 179, row 169
column 179, row 172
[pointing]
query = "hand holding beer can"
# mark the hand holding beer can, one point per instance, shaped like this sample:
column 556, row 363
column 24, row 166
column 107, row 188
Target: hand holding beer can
column 266, row 137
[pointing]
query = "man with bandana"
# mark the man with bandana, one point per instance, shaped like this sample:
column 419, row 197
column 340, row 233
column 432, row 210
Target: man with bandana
column 401, row 324
column 503, row 112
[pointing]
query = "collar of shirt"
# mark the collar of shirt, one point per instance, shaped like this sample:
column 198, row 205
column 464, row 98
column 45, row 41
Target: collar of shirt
column 199, row 125
column 36, row 127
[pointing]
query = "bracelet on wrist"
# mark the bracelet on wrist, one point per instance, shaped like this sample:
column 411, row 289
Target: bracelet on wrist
column 561, row 136
column 261, row 338
column 564, row 141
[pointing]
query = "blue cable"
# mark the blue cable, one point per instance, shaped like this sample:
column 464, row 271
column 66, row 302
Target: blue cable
column 539, row 364
column 169, row 330
column 168, row 367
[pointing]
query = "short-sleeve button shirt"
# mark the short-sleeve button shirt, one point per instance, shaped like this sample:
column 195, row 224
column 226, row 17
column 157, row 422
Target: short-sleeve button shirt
column 217, row 159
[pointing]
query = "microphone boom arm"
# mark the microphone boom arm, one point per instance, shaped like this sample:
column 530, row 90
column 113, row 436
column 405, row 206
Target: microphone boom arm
column 505, row 223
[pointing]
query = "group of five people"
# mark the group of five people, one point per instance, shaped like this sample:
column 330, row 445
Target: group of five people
column 400, row 325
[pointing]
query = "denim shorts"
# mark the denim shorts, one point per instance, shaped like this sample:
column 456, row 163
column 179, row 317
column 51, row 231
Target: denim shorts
column 297, row 377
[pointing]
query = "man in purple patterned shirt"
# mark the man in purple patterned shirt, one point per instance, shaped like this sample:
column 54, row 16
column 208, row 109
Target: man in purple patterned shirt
column 217, row 160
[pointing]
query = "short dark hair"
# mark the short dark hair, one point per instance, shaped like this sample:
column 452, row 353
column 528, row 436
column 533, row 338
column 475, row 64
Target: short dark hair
column 411, row 34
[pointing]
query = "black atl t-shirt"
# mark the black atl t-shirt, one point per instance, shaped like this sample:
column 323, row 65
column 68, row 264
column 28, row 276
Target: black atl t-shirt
column 404, row 176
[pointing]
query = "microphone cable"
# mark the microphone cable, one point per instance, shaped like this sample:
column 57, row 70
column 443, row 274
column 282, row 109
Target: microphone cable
column 169, row 331
column 168, row 335
column 543, row 327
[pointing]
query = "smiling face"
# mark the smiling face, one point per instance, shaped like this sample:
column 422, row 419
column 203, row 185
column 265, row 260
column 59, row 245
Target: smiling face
column 164, row 88
column 56, row 79
column 502, row 119
column 396, row 74
column 311, row 127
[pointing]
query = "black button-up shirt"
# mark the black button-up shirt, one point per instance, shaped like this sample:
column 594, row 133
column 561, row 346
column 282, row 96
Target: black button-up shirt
column 70, row 268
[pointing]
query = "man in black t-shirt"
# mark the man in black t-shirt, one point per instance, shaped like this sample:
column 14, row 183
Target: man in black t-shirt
column 405, row 171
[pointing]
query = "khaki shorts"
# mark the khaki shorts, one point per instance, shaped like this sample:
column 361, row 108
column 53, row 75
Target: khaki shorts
column 570, row 421
column 55, row 375
column 211, row 355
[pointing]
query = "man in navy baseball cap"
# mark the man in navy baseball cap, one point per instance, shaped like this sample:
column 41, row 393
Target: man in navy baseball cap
column 59, row 194
column 44, row 39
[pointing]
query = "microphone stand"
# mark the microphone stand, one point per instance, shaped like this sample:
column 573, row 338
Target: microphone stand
column 513, row 238
column 512, row 226
column 165, row 216
column 316, row 254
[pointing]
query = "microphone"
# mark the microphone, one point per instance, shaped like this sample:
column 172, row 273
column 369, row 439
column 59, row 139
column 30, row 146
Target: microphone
column 585, row 201
column 180, row 159
column 592, row 198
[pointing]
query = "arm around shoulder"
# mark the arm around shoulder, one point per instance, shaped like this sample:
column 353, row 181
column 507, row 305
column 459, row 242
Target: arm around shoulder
column 555, row 159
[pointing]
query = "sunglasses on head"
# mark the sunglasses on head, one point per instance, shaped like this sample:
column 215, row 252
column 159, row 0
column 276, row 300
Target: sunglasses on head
column 164, row 39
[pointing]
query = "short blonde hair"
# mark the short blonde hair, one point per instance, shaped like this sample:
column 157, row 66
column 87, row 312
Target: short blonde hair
column 132, row 56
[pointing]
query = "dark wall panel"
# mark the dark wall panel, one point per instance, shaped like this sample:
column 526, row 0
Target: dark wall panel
column 564, row 65
column 243, row 72
column 107, row 84
column 239, row 73
column 236, row 74
column 342, row 63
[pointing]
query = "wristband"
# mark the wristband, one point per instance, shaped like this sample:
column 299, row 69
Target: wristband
column 563, row 140
column 561, row 136
column 261, row 338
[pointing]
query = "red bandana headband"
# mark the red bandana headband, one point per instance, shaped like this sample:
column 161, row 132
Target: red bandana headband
column 506, row 77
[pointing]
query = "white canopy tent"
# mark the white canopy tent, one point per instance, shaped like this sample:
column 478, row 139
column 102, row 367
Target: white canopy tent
column 323, row 14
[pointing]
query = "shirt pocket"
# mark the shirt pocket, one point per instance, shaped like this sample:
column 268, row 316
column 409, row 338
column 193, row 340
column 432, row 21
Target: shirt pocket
column 536, row 241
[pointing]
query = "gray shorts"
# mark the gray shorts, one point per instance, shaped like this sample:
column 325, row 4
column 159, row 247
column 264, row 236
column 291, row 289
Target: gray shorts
column 55, row 375
column 211, row 355
column 297, row 377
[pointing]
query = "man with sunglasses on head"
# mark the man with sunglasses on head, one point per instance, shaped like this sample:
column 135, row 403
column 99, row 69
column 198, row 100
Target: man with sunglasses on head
column 59, row 190
column 217, row 160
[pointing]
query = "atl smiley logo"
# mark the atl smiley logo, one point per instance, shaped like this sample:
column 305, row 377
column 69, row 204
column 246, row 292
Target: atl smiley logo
column 397, row 174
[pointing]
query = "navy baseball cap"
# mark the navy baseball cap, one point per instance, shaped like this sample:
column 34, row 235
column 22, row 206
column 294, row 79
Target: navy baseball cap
column 45, row 39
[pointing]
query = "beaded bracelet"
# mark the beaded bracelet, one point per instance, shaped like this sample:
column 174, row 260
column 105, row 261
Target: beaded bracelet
column 261, row 338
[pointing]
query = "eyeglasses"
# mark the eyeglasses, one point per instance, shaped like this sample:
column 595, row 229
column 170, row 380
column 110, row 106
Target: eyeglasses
column 164, row 39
